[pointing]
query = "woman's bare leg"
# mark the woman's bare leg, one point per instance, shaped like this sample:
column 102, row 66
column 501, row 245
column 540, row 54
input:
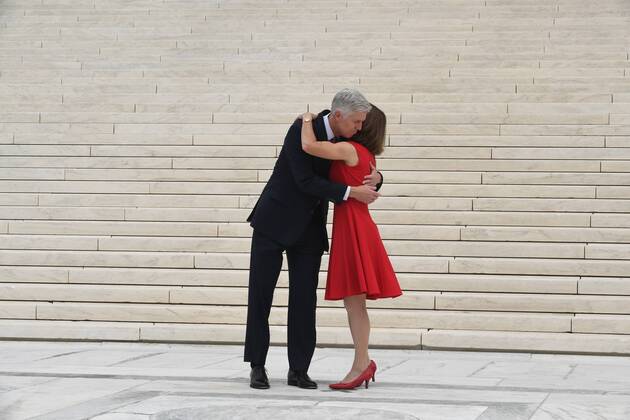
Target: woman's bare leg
column 359, row 322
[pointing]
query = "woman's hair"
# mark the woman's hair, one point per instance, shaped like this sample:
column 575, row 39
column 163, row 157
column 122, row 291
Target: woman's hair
column 372, row 134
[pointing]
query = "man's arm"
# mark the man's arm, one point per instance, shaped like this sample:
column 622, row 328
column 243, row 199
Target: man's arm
column 302, row 169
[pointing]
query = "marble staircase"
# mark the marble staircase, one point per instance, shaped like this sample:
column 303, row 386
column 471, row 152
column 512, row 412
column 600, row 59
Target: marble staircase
column 136, row 135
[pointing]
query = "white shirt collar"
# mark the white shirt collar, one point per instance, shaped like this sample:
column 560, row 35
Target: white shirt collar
column 329, row 132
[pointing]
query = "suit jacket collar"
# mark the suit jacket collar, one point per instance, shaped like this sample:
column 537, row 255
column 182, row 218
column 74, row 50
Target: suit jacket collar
column 319, row 127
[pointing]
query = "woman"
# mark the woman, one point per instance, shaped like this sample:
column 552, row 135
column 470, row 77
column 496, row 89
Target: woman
column 359, row 267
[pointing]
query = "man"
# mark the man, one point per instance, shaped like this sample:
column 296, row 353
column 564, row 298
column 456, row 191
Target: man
column 290, row 216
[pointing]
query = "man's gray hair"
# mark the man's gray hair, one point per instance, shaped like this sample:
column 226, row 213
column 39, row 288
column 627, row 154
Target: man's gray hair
column 350, row 100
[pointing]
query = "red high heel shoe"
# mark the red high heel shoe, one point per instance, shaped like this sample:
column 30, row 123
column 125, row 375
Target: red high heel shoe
column 373, row 365
column 365, row 376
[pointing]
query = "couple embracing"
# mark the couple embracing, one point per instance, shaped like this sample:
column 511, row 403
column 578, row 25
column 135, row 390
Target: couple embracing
column 325, row 157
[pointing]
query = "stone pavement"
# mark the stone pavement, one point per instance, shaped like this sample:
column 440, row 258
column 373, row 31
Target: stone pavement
column 140, row 381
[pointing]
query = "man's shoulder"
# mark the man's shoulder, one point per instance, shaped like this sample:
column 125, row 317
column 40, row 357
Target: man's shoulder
column 296, row 126
column 323, row 112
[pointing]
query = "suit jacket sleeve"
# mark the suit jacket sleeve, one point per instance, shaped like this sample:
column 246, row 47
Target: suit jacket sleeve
column 301, row 165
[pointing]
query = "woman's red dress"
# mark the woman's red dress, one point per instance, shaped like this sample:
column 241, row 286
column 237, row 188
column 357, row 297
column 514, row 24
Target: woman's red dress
column 358, row 262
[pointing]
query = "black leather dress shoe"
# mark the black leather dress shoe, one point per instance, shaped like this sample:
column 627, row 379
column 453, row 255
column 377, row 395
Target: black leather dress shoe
column 258, row 378
column 300, row 379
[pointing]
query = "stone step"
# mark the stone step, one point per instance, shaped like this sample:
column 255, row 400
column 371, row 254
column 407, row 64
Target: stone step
column 535, row 234
column 185, row 260
column 406, row 144
column 611, row 267
column 208, row 151
column 62, row 80
column 533, row 303
column 137, row 136
column 214, row 333
column 607, row 130
column 552, row 205
column 184, row 313
column 398, row 178
column 208, row 333
column 327, row 316
column 601, row 324
column 539, row 47
column 402, row 140
column 542, row 234
column 527, row 341
column 394, row 140
column 503, row 165
column 604, row 286
column 204, row 229
column 239, row 278
column 533, row 267
column 249, row 188
column 385, row 217
column 194, row 201
column 236, row 245
column 209, row 297
column 286, row 97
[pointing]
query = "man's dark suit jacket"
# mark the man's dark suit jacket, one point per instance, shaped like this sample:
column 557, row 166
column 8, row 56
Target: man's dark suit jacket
column 297, row 190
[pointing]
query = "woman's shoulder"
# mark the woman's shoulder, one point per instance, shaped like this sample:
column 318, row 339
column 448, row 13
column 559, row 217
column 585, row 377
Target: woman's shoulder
column 363, row 153
column 358, row 146
column 362, row 150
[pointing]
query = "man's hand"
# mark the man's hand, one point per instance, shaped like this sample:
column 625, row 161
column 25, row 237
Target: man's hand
column 374, row 178
column 365, row 193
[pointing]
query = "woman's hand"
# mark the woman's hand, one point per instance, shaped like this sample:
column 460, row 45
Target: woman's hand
column 307, row 115
column 308, row 135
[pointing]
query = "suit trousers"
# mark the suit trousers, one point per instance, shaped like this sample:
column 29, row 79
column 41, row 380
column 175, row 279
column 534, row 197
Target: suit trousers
column 304, row 259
